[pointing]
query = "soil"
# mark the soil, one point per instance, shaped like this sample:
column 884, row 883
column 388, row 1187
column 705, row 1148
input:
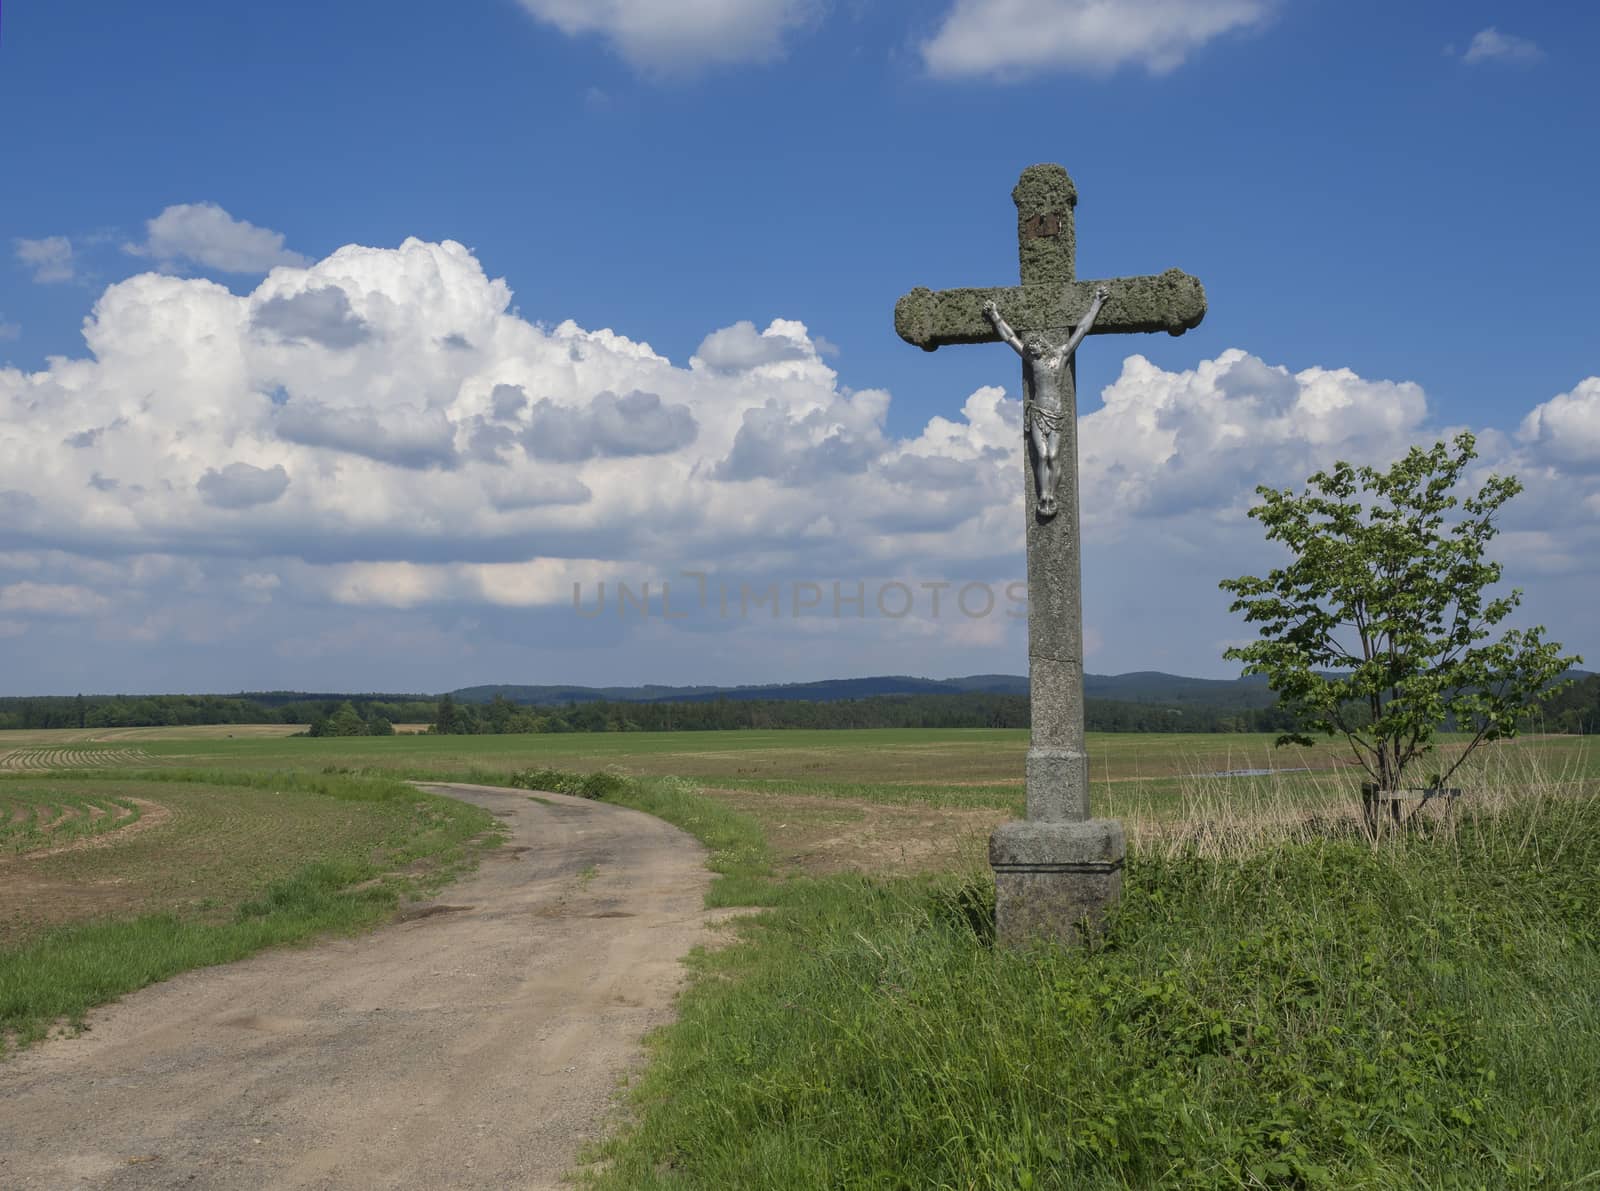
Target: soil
column 31, row 897
column 478, row 1043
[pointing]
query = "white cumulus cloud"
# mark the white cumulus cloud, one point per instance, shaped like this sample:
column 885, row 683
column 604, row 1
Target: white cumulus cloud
column 321, row 467
column 1566, row 429
column 50, row 258
column 741, row 347
column 1166, row 443
column 680, row 35
column 1017, row 38
column 329, row 416
column 204, row 234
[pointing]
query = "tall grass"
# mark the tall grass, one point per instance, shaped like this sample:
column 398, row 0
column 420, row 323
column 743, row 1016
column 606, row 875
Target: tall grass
column 1287, row 1003
column 1221, row 818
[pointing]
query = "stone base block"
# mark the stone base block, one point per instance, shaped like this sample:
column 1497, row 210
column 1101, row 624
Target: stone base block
column 1053, row 882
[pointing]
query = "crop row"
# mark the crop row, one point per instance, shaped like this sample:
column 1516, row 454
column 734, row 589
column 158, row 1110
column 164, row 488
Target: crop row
column 30, row 820
column 36, row 758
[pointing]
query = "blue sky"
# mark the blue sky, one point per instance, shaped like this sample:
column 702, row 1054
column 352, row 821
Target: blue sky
column 1391, row 208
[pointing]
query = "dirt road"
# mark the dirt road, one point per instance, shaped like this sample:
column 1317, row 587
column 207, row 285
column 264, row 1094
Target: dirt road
column 477, row 1044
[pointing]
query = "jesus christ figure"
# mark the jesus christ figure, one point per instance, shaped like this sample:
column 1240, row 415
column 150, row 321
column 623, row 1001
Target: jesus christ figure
column 1043, row 369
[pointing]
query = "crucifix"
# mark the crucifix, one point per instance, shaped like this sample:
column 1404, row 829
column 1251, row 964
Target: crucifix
column 1058, row 869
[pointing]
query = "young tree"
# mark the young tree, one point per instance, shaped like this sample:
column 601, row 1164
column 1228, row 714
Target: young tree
column 346, row 721
column 444, row 718
column 499, row 715
column 1379, row 630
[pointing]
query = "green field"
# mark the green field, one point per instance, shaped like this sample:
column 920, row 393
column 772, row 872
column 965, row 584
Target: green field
column 877, row 802
column 927, row 757
column 40, row 818
column 1278, row 1003
column 952, row 766
column 880, row 801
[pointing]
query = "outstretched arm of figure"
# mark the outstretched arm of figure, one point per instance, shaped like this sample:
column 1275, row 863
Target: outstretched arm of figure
column 1003, row 327
column 1082, row 329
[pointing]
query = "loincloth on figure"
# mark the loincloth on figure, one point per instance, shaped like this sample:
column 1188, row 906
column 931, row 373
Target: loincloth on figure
column 1049, row 420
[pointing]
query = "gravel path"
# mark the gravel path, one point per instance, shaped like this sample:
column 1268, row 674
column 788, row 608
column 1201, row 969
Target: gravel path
column 478, row 1043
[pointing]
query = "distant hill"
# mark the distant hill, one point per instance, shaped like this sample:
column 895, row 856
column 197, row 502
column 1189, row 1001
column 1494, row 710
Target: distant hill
column 1152, row 686
column 1146, row 686
column 1147, row 701
column 552, row 696
column 827, row 691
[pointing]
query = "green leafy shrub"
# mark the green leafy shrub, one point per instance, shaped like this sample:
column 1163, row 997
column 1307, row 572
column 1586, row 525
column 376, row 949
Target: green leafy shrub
column 599, row 784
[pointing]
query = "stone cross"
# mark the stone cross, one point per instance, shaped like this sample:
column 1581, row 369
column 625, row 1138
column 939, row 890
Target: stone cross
column 1059, row 868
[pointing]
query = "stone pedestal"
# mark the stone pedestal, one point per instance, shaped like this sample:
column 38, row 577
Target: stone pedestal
column 1054, row 880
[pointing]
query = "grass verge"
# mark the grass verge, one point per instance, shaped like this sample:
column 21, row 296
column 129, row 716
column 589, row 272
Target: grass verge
column 376, row 842
column 1306, row 1011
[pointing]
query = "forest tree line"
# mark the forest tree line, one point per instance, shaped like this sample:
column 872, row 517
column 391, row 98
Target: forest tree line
column 154, row 711
column 966, row 710
column 1575, row 710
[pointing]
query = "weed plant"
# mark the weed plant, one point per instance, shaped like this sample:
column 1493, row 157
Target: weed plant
column 599, row 784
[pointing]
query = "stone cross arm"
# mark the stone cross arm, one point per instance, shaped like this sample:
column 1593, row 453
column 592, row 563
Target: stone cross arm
column 1173, row 302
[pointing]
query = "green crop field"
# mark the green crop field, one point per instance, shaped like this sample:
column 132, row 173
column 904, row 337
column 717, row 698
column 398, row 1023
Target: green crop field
column 933, row 759
column 68, row 755
column 872, row 800
column 32, row 820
